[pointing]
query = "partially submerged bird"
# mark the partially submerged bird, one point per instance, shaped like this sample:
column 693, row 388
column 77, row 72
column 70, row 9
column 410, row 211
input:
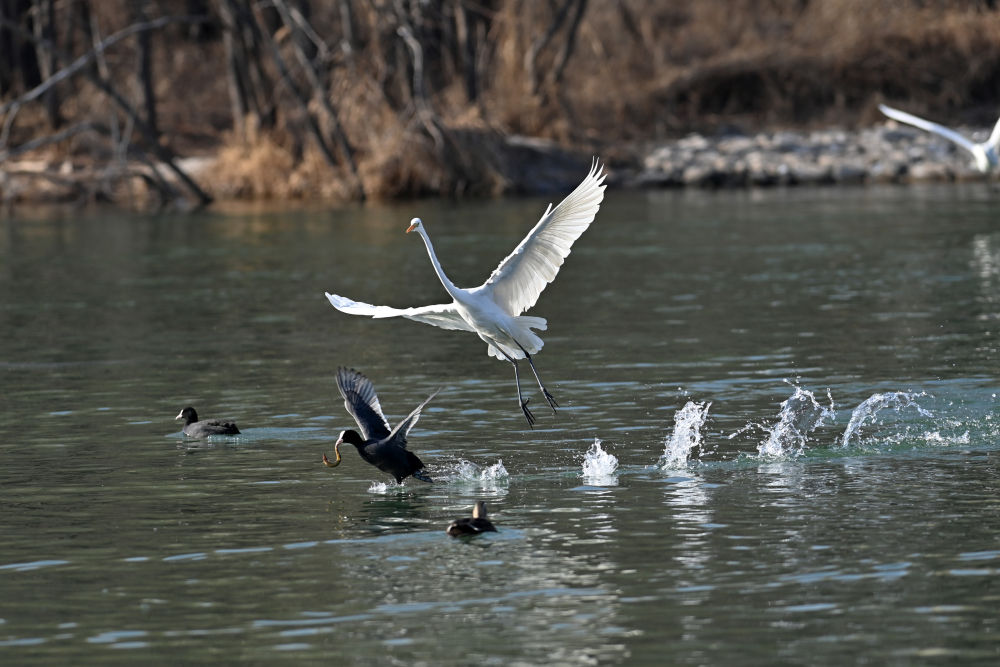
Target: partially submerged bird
column 377, row 444
column 493, row 310
column 476, row 525
column 985, row 154
column 202, row 429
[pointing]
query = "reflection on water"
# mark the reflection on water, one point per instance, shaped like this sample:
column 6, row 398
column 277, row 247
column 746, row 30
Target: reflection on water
column 752, row 536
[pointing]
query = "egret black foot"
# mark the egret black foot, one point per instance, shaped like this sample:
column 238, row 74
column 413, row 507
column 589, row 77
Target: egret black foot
column 527, row 413
column 550, row 399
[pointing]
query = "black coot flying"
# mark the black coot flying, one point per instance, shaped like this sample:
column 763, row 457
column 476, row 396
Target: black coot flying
column 377, row 444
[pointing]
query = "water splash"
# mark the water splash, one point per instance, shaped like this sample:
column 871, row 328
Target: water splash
column 599, row 466
column 688, row 422
column 467, row 472
column 494, row 473
column 382, row 488
column 800, row 415
column 869, row 409
column 936, row 438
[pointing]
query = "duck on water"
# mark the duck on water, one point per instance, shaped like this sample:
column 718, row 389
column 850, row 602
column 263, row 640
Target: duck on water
column 193, row 428
column 476, row 525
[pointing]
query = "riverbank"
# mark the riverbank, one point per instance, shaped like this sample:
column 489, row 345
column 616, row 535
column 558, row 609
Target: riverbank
column 357, row 101
column 887, row 153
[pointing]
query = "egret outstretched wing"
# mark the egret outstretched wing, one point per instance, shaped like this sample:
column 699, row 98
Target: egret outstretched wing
column 442, row 315
column 994, row 140
column 493, row 310
column 940, row 130
column 520, row 278
column 362, row 402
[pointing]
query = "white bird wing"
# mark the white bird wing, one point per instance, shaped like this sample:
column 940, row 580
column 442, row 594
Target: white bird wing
column 442, row 315
column 520, row 278
column 994, row 140
column 940, row 130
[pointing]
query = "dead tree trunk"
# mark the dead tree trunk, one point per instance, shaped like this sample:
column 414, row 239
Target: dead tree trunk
column 144, row 71
column 348, row 41
column 44, row 19
column 540, row 44
column 465, row 34
column 567, row 50
column 249, row 85
column 418, row 87
column 236, row 76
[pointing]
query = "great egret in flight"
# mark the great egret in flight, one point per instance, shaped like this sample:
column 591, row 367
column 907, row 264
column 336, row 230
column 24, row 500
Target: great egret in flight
column 383, row 448
column 985, row 153
column 493, row 310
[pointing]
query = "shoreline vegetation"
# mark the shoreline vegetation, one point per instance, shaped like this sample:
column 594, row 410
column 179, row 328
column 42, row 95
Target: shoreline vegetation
column 177, row 103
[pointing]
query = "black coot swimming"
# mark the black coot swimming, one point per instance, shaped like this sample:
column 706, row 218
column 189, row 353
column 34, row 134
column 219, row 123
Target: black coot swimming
column 202, row 429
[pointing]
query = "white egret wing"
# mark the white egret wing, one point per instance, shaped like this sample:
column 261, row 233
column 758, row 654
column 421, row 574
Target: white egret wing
column 940, row 130
column 994, row 140
column 442, row 315
column 520, row 278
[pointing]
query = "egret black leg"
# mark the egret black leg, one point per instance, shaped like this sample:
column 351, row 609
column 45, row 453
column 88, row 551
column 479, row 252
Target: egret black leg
column 545, row 392
column 521, row 401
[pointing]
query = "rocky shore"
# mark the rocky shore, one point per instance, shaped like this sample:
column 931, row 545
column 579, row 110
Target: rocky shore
column 880, row 154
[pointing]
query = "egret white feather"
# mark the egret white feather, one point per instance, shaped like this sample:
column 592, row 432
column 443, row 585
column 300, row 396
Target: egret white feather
column 494, row 309
column 984, row 154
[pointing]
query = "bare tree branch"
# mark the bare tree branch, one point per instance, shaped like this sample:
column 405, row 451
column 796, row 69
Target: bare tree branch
column 418, row 91
column 294, row 20
column 539, row 45
column 40, row 142
column 567, row 51
column 88, row 57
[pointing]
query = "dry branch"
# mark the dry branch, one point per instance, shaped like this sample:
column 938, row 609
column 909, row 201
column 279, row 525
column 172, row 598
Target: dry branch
column 296, row 22
column 87, row 58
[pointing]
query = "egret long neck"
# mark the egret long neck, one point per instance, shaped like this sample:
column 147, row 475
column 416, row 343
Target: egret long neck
column 448, row 285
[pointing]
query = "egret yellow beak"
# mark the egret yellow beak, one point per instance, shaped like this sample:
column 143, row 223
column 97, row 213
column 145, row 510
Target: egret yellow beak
column 411, row 228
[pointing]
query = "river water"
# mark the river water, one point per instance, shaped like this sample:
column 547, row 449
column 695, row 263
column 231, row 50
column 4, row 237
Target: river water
column 777, row 441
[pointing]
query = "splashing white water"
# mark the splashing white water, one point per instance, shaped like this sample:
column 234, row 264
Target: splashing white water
column 382, row 488
column 688, row 422
column 467, row 472
column 494, row 473
column 868, row 411
column 599, row 466
column 800, row 415
column 939, row 439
